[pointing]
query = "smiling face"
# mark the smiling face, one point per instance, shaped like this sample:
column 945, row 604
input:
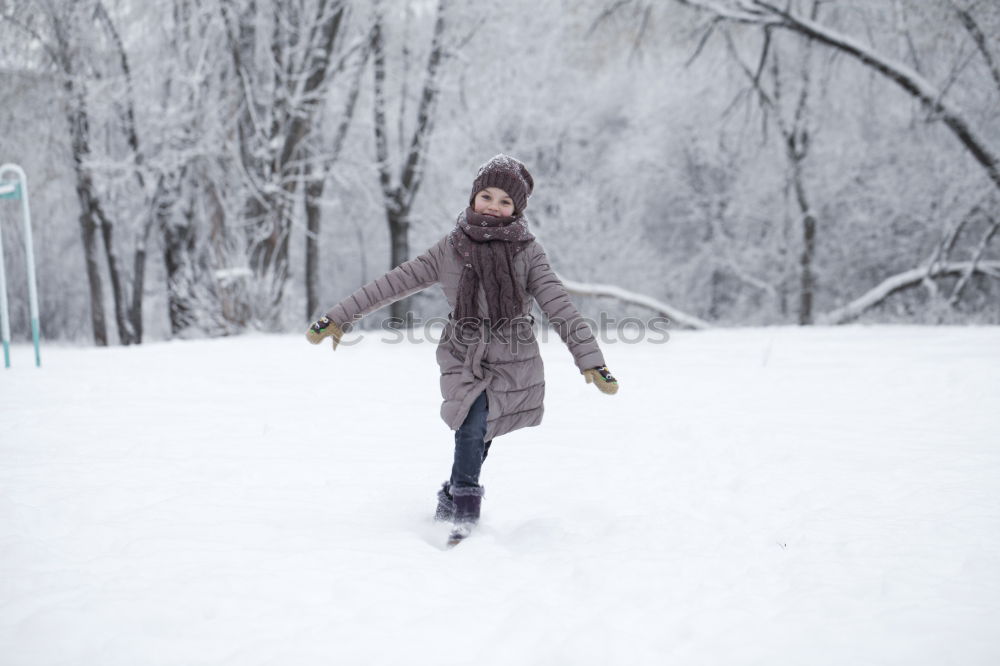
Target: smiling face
column 493, row 201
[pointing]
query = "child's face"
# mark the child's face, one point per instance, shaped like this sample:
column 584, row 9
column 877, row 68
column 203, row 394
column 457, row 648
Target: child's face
column 493, row 201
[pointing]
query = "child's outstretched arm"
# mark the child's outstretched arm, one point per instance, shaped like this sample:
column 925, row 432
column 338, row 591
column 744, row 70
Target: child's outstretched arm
column 548, row 290
column 408, row 278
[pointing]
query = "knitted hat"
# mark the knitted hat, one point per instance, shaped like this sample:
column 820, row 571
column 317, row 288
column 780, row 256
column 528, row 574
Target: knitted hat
column 509, row 175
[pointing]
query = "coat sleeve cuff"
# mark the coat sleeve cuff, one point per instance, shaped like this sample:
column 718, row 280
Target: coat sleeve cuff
column 594, row 359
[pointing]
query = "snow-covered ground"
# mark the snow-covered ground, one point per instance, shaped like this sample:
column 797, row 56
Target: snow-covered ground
column 762, row 496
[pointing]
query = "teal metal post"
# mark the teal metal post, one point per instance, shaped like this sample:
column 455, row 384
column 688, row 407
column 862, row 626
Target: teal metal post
column 19, row 190
column 5, row 190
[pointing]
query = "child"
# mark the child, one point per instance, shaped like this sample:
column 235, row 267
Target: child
column 492, row 379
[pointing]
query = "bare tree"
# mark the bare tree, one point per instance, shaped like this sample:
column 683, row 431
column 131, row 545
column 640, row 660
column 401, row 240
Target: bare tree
column 78, row 118
column 281, row 87
column 794, row 127
column 770, row 16
column 399, row 189
column 315, row 172
column 85, row 45
column 61, row 32
column 170, row 175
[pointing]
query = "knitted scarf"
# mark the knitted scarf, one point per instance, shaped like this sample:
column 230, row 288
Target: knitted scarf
column 487, row 246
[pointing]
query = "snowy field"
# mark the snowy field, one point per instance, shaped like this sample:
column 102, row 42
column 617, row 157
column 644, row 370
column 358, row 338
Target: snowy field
column 758, row 496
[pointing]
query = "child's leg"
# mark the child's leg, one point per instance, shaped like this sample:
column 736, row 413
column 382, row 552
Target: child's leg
column 470, row 449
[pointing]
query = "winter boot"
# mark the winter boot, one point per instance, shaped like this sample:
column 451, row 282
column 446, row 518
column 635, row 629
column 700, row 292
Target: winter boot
column 468, row 502
column 445, row 511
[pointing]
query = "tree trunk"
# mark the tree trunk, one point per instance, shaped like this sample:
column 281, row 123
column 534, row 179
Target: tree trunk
column 795, row 133
column 88, row 233
column 79, row 123
column 127, row 313
column 178, row 239
column 398, row 196
column 399, row 243
column 138, row 291
column 158, row 209
column 314, row 193
column 315, row 185
column 118, row 288
column 807, row 280
column 79, row 130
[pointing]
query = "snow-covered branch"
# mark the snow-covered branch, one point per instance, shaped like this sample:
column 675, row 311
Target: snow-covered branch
column 980, row 40
column 739, row 12
column 976, row 257
column 670, row 312
column 901, row 281
column 764, row 13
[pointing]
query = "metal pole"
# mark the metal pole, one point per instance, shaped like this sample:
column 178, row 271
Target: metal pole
column 29, row 249
column 4, row 314
column 32, row 285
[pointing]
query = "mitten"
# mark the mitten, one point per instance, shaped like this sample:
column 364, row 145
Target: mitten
column 324, row 328
column 602, row 378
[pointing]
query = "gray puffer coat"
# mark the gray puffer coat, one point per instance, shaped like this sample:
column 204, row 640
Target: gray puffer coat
column 505, row 364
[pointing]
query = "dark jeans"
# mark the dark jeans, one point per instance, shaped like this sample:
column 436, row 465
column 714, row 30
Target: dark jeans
column 470, row 449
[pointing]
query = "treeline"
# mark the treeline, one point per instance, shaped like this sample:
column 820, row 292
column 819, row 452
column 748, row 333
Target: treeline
column 201, row 168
